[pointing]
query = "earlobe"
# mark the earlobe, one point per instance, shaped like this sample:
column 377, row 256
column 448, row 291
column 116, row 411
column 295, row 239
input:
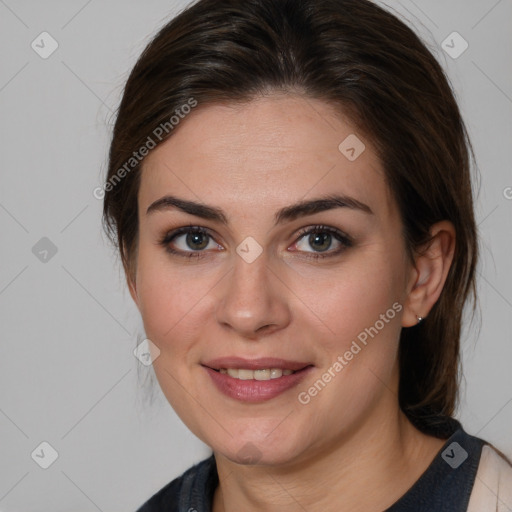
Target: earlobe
column 431, row 267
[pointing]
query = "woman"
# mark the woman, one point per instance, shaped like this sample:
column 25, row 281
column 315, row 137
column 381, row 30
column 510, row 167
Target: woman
column 289, row 188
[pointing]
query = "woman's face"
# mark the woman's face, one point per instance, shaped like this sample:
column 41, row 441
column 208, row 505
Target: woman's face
column 278, row 249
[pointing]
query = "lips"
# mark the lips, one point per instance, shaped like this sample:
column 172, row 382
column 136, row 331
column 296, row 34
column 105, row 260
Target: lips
column 255, row 380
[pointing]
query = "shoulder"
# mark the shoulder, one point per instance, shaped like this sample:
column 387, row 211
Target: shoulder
column 177, row 494
column 492, row 490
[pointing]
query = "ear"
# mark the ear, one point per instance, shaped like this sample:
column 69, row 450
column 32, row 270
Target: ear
column 430, row 270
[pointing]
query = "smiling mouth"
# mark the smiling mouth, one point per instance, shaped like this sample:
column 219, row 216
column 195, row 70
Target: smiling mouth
column 259, row 372
column 255, row 380
column 263, row 374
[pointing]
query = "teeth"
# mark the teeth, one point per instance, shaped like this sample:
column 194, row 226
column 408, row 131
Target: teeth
column 275, row 373
column 262, row 374
column 245, row 374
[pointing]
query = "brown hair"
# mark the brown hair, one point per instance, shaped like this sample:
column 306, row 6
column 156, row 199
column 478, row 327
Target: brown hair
column 366, row 62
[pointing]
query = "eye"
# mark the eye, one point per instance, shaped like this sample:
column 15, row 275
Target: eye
column 321, row 241
column 318, row 241
column 189, row 241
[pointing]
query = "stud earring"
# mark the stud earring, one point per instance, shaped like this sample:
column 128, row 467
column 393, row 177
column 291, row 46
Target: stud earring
column 420, row 318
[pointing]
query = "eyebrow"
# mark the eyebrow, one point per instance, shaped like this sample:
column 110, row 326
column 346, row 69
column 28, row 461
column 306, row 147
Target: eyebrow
column 288, row 213
column 190, row 207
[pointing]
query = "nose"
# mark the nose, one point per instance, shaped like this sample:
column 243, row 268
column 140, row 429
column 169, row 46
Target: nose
column 253, row 301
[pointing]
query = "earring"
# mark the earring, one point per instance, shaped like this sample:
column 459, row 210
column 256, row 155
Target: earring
column 419, row 319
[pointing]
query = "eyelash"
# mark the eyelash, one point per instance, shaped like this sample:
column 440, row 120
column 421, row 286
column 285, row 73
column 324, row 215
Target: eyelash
column 185, row 230
column 341, row 237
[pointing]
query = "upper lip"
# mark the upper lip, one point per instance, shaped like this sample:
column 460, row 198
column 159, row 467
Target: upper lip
column 261, row 363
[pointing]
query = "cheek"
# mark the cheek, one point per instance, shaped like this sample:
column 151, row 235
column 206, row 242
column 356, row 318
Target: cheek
column 170, row 297
column 360, row 313
column 356, row 327
column 174, row 304
column 352, row 298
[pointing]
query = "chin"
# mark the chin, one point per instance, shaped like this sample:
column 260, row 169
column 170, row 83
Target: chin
column 252, row 452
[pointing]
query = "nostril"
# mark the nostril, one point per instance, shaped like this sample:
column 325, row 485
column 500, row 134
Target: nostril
column 264, row 328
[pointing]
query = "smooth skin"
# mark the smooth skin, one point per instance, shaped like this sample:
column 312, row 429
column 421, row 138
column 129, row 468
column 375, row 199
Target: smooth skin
column 350, row 448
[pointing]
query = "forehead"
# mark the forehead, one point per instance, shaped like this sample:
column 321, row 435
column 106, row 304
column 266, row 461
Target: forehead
column 277, row 149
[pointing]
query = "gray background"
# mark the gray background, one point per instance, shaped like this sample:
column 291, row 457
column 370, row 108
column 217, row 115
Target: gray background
column 68, row 326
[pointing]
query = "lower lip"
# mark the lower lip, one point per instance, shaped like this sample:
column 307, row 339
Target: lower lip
column 255, row 390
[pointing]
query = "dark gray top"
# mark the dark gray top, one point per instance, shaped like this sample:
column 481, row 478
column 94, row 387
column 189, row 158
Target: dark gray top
column 445, row 485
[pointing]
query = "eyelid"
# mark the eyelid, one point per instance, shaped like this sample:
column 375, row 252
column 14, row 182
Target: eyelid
column 342, row 237
column 321, row 228
column 169, row 236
